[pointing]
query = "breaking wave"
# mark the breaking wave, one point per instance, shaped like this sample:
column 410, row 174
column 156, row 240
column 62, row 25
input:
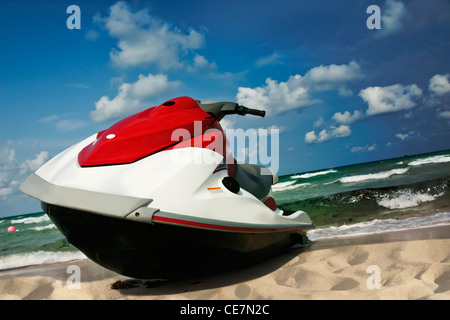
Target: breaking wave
column 434, row 159
column 288, row 185
column 38, row 257
column 313, row 174
column 373, row 176
column 405, row 199
column 50, row 226
column 379, row 226
column 29, row 220
column 369, row 203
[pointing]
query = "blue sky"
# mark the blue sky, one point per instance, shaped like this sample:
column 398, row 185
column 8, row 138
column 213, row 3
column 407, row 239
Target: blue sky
column 338, row 92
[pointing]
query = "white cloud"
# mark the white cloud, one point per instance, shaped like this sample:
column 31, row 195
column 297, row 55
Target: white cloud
column 402, row 136
column 11, row 171
column 333, row 131
column 363, row 148
column 332, row 76
column 389, row 99
column 92, row 35
column 444, row 114
column 274, row 58
column 8, row 161
column 391, row 17
column 410, row 136
column 346, row 117
column 32, row 165
column 5, row 192
column 276, row 96
column 132, row 96
column 408, row 115
column 341, row 131
column 49, row 119
column 310, row 137
column 227, row 124
column 324, row 136
column 8, row 164
column 439, row 84
column 63, row 124
column 3, row 178
column 328, row 134
column 318, row 122
column 145, row 40
column 68, row 125
column 201, row 64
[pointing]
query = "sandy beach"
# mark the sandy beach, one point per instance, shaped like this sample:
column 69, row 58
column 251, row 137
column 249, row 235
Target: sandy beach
column 412, row 264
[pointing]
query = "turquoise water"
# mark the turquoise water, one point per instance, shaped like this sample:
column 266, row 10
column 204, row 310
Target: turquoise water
column 394, row 194
column 35, row 241
column 384, row 189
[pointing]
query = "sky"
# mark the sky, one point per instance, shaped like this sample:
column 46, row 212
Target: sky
column 342, row 84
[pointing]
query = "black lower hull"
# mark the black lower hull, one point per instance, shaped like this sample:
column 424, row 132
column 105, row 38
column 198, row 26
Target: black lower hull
column 146, row 251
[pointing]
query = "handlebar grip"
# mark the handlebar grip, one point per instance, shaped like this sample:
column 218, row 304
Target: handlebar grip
column 260, row 113
column 241, row 110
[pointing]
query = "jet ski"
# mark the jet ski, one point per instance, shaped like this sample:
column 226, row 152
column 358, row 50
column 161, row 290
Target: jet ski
column 159, row 195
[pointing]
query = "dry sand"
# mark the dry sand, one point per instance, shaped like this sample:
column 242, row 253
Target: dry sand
column 406, row 265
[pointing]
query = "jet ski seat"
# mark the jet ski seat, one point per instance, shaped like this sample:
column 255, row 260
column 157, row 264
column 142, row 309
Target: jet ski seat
column 255, row 179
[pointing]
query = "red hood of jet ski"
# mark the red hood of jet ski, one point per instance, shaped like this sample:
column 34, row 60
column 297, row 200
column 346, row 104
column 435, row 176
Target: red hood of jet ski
column 146, row 133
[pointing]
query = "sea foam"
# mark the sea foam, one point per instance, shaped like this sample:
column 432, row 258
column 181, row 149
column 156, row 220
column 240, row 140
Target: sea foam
column 373, row 176
column 434, row 159
column 379, row 226
column 38, row 257
column 29, row 220
column 50, row 226
column 406, row 199
column 313, row 174
column 288, row 185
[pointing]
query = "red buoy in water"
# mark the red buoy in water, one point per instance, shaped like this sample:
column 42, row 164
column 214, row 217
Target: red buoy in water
column 11, row 228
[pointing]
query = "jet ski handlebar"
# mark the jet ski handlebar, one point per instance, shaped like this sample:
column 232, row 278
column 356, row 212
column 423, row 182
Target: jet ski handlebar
column 241, row 110
column 221, row 109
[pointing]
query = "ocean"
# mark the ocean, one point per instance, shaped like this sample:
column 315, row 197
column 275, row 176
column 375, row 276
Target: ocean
column 390, row 195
